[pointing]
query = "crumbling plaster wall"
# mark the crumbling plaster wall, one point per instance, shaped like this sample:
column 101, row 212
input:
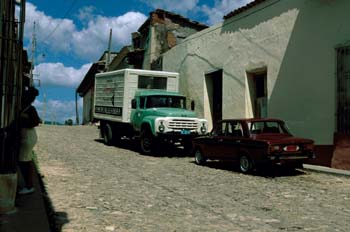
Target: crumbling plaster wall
column 163, row 35
column 286, row 38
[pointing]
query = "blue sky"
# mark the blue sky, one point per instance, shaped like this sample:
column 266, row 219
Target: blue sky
column 72, row 34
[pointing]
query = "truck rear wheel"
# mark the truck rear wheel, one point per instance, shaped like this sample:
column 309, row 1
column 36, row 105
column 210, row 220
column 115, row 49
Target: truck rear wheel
column 146, row 141
column 107, row 134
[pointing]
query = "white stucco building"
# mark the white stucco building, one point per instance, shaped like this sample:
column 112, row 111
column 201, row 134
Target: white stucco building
column 287, row 59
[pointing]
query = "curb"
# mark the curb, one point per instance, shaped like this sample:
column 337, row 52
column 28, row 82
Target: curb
column 328, row 170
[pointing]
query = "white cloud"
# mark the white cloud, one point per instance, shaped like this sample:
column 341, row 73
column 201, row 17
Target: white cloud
column 57, row 110
column 221, row 8
column 62, row 35
column 86, row 13
column 52, row 32
column 181, row 6
column 56, row 74
column 93, row 40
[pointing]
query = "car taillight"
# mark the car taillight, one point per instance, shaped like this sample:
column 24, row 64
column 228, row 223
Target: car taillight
column 290, row 148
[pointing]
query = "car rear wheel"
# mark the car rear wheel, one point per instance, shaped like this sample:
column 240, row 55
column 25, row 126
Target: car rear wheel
column 199, row 157
column 245, row 164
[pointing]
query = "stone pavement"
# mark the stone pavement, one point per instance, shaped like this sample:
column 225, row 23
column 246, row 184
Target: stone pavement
column 32, row 215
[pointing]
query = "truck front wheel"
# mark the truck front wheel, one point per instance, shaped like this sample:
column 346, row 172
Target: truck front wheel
column 146, row 141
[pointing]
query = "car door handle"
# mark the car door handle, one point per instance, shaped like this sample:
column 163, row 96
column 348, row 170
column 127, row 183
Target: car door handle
column 238, row 141
column 220, row 140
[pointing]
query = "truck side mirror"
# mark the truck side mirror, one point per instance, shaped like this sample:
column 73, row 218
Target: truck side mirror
column 133, row 104
column 192, row 105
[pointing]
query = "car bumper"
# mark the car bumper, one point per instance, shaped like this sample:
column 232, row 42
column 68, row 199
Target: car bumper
column 290, row 157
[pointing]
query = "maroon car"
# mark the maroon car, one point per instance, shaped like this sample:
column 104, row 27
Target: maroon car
column 253, row 142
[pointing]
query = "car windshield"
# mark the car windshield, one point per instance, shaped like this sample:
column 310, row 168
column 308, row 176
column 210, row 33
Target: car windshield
column 268, row 127
column 166, row 101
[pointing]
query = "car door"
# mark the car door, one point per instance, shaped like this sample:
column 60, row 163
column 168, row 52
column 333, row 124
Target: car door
column 214, row 142
column 231, row 142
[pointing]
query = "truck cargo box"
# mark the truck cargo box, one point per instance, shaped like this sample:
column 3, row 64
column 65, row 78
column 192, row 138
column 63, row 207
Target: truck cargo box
column 115, row 90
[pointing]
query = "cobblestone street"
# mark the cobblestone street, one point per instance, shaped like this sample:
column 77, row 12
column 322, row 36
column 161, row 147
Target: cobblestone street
column 94, row 187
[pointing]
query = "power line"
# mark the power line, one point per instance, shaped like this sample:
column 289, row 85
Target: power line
column 64, row 16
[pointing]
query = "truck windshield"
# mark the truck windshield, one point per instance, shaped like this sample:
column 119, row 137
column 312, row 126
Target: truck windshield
column 166, row 101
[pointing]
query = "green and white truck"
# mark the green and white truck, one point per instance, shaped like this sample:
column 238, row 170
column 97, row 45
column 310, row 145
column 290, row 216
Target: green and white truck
column 144, row 104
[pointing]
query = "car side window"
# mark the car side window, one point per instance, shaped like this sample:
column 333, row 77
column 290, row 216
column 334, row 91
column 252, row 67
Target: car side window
column 219, row 129
column 235, row 129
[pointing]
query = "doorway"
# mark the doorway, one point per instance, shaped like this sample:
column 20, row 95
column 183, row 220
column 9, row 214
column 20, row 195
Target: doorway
column 258, row 93
column 343, row 90
column 213, row 82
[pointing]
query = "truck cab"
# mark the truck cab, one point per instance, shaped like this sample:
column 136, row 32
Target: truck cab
column 162, row 116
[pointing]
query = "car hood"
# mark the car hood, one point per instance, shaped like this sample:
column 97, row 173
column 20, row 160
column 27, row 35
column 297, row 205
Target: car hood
column 274, row 139
column 174, row 112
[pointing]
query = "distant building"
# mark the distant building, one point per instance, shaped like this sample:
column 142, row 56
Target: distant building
column 159, row 33
column 86, row 87
column 274, row 59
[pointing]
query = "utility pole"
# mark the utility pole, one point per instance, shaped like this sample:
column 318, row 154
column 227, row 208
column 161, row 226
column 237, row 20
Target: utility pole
column 33, row 56
column 109, row 50
column 44, row 108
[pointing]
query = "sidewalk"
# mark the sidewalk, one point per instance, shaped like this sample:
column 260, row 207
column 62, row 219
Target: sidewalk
column 31, row 213
column 328, row 170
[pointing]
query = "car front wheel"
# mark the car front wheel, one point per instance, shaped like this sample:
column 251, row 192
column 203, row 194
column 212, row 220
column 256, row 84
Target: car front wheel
column 199, row 158
column 245, row 164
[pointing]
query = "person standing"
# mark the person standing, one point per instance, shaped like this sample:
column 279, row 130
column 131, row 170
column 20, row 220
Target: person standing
column 29, row 119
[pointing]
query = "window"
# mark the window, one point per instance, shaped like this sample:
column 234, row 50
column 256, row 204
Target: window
column 142, row 102
column 220, row 129
column 235, row 129
column 267, row 127
column 166, row 101
column 148, row 82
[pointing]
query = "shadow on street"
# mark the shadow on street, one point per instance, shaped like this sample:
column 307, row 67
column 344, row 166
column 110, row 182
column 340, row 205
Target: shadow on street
column 270, row 171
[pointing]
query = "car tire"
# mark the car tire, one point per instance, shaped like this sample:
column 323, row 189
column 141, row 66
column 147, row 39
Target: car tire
column 245, row 164
column 146, row 141
column 107, row 134
column 199, row 158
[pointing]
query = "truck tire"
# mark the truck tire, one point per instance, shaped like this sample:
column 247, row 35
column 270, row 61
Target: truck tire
column 146, row 141
column 107, row 134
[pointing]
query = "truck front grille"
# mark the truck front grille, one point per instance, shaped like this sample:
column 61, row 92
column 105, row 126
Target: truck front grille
column 183, row 124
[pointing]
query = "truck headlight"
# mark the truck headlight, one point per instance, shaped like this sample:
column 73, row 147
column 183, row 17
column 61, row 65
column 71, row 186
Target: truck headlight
column 203, row 129
column 161, row 127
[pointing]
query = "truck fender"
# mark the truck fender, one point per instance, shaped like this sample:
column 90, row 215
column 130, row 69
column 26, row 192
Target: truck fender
column 148, row 124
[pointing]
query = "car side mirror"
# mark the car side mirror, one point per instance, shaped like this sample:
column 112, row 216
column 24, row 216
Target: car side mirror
column 133, row 104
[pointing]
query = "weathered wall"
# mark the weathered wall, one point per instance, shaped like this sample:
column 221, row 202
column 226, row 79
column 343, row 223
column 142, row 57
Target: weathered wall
column 163, row 35
column 88, row 102
column 294, row 40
